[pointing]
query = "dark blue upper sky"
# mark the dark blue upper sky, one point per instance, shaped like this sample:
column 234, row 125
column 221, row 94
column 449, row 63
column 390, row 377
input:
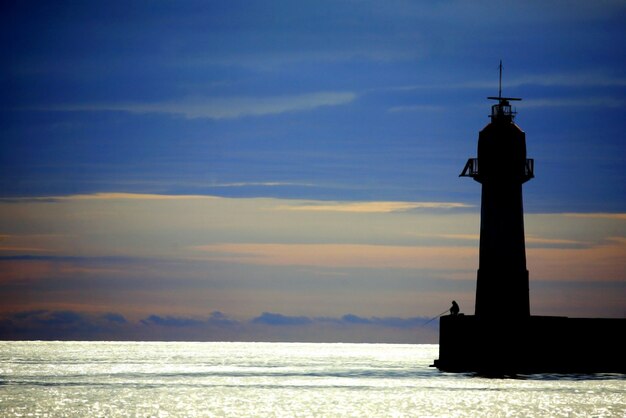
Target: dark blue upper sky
column 322, row 100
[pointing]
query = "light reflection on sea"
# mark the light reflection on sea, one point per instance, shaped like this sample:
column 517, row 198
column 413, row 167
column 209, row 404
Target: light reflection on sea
column 276, row 379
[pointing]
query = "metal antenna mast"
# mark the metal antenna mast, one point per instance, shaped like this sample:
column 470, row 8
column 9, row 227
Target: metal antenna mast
column 502, row 101
column 503, row 108
column 500, row 83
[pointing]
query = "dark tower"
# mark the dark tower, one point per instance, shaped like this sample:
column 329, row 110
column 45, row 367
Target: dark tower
column 501, row 168
column 502, row 338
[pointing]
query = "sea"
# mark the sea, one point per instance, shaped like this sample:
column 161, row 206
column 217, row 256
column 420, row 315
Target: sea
column 212, row 379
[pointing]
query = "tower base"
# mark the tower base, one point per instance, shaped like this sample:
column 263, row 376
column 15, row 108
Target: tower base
column 535, row 344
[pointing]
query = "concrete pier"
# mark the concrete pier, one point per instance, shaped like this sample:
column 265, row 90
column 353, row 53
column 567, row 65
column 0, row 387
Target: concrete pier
column 537, row 344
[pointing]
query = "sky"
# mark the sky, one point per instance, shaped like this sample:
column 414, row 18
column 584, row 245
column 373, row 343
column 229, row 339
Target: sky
column 288, row 171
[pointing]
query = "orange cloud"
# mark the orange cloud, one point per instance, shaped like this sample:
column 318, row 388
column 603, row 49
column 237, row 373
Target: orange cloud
column 28, row 271
column 344, row 255
column 606, row 262
column 615, row 216
column 370, row 207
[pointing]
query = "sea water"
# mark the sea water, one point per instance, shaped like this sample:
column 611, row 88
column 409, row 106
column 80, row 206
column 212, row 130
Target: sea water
column 181, row 379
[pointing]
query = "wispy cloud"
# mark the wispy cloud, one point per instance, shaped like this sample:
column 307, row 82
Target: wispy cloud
column 614, row 216
column 603, row 262
column 416, row 108
column 576, row 102
column 567, row 79
column 342, row 255
column 106, row 196
column 531, row 239
column 560, row 260
column 262, row 184
column 222, row 107
column 370, row 207
column 579, row 79
column 25, row 249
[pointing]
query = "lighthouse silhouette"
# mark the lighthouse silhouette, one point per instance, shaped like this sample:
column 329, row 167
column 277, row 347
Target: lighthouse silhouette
column 502, row 337
column 501, row 168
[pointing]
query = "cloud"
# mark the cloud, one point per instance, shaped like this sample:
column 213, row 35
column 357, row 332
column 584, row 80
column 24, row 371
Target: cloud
column 68, row 325
column 533, row 240
column 215, row 318
column 345, row 320
column 562, row 243
column 170, row 321
column 601, row 262
column 576, row 102
column 269, row 318
column 262, row 184
column 221, row 107
column 579, row 79
column 343, row 255
column 565, row 79
column 105, row 196
column 62, row 324
column 115, row 317
column 354, row 319
column 468, row 237
column 416, row 108
column 221, row 319
column 27, row 268
column 25, row 249
column 108, row 250
column 612, row 216
column 369, row 207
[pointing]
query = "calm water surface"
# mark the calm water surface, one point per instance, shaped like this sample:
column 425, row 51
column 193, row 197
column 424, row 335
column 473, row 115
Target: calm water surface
column 85, row 379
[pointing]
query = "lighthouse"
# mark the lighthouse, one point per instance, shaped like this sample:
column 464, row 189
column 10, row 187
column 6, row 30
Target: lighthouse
column 502, row 337
column 501, row 168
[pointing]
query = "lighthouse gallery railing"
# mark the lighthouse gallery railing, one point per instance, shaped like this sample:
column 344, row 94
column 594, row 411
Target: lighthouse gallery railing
column 471, row 169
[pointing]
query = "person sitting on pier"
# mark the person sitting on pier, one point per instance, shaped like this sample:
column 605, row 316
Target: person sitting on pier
column 454, row 309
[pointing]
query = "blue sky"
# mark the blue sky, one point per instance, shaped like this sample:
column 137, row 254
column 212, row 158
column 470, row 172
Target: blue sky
column 300, row 159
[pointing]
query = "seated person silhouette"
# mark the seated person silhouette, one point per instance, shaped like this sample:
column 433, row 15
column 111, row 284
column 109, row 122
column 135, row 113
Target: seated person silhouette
column 454, row 309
